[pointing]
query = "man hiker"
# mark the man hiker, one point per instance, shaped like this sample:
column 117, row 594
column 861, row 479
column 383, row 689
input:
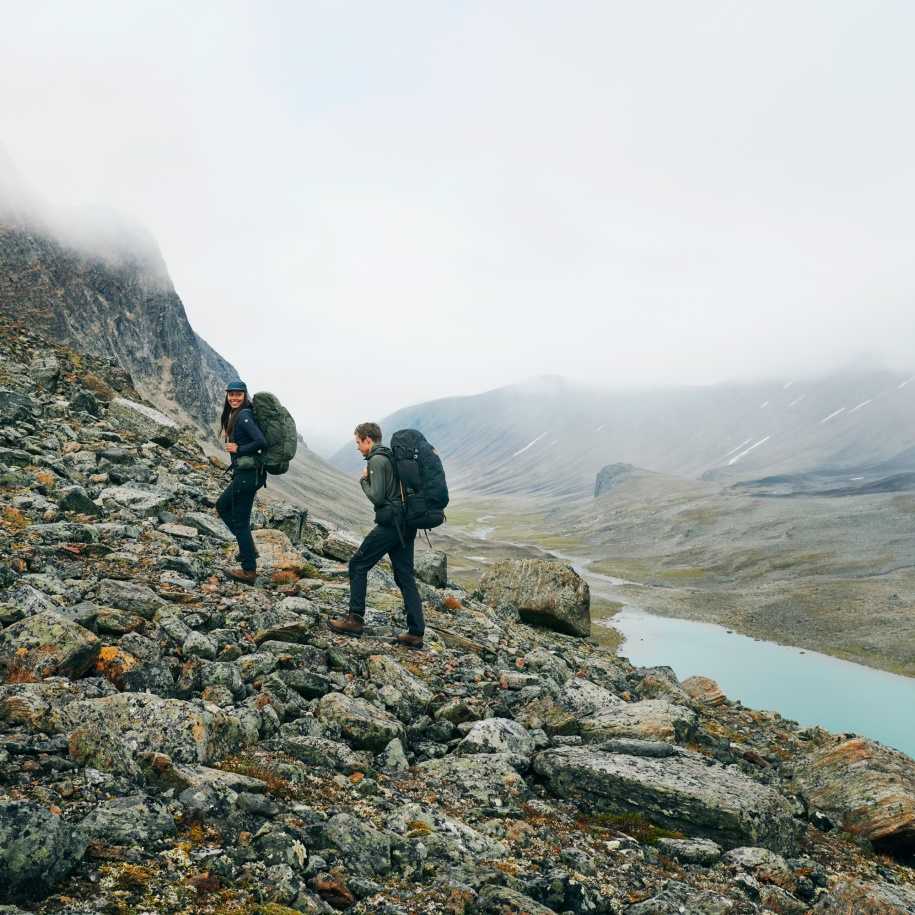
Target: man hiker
column 390, row 535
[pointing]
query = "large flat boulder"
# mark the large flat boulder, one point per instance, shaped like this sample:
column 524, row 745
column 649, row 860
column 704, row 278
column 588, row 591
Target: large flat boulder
column 867, row 787
column 546, row 593
column 188, row 732
column 129, row 596
column 682, row 791
column 46, row 645
column 145, row 422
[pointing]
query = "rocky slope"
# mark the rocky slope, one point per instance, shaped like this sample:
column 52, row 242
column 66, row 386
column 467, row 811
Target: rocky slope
column 173, row 742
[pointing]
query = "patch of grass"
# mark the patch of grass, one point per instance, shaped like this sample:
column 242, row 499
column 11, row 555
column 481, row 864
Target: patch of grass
column 632, row 824
column 14, row 520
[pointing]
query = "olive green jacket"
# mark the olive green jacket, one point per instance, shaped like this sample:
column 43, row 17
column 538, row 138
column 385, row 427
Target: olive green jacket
column 381, row 486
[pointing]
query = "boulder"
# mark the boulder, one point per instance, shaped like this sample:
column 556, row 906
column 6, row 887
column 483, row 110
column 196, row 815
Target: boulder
column 690, row 851
column 497, row 735
column 142, row 498
column 431, row 567
column 135, row 820
column 484, row 779
column 286, row 518
column 705, row 691
column 365, row 850
column 279, row 625
column 192, row 732
column 75, row 499
column 685, row 791
column 443, row 836
column 37, row 850
column 867, row 787
column 321, row 753
column 341, row 545
column 44, row 369
column 208, row 525
column 46, row 645
column 650, row 719
column 23, row 601
column 275, row 550
column 546, row 593
column 145, row 422
column 401, row 690
column 360, row 724
column 867, row 899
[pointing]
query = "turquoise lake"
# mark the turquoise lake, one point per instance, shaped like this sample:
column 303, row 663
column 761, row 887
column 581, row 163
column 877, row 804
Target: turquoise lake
column 802, row 685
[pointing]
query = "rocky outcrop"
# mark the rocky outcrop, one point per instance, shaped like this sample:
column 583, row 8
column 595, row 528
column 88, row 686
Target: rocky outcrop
column 868, row 788
column 682, row 791
column 608, row 477
column 545, row 592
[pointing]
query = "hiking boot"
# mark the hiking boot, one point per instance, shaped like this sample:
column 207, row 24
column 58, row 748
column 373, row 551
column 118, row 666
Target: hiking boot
column 410, row 641
column 244, row 576
column 351, row 624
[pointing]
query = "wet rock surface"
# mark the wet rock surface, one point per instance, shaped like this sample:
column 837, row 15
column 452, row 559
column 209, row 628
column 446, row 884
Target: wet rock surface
column 173, row 742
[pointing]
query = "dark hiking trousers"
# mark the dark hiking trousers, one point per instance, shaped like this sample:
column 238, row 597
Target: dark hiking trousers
column 383, row 540
column 234, row 507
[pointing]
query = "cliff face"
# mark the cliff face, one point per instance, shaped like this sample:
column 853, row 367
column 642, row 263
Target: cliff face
column 96, row 281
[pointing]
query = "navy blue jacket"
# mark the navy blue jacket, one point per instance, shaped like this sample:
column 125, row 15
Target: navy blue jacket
column 247, row 436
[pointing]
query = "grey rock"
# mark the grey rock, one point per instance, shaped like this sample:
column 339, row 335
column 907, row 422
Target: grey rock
column 431, row 567
column 408, row 696
column 680, row 899
column 690, row 851
column 141, row 498
column 650, row 719
column 198, row 645
column 45, row 370
column 75, row 499
column 185, row 731
column 546, row 593
column 497, row 735
column 686, row 792
column 341, row 545
column 444, row 837
column 360, row 725
column 393, row 760
column 488, row 779
column 365, row 850
column 85, row 402
column 23, row 601
column 135, row 820
column 322, row 753
column 208, row 525
column 147, row 423
column 46, row 645
column 37, row 850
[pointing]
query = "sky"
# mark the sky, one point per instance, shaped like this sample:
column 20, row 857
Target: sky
column 365, row 205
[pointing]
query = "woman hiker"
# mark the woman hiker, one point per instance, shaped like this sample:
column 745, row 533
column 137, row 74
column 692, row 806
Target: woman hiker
column 244, row 441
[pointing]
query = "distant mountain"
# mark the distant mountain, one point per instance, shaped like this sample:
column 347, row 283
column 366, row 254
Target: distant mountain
column 550, row 438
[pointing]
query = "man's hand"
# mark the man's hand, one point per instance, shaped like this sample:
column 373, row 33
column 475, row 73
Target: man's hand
column 365, row 473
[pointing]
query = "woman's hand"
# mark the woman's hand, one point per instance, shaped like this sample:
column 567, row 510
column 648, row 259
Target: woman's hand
column 231, row 447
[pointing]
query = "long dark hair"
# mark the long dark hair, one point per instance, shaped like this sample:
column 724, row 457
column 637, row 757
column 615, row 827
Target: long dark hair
column 227, row 420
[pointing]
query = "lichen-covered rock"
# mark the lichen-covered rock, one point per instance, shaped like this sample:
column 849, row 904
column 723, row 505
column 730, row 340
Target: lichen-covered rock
column 286, row 518
column 484, row 778
column 360, row 724
column 882, row 898
column 867, row 787
column 365, row 849
column 22, row 601
column 46, row 645
column 145, row 422
column 135, row 820
column 37, row 849
column 341, row 545
column 75, row 499
column 690, row 851
column 275, row 550
column 408, row 696
column 685, row 791
column 431, row 567
column 130, row 596
column 497, row 735
column 705, row 691
column 443, row 836
column 192, row 732
column 208, row 525
column 546, row 593
column 142, row 498
column 650, row 719
column 322, row 753
column 496, row 900
column 279, row 625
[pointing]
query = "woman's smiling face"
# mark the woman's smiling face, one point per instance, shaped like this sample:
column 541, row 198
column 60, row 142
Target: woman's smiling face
column 235, row 398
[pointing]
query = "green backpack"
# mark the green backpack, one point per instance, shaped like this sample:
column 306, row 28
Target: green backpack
column 278, row 426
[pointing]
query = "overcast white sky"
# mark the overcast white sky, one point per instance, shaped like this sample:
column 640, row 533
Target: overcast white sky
column 369, row 204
